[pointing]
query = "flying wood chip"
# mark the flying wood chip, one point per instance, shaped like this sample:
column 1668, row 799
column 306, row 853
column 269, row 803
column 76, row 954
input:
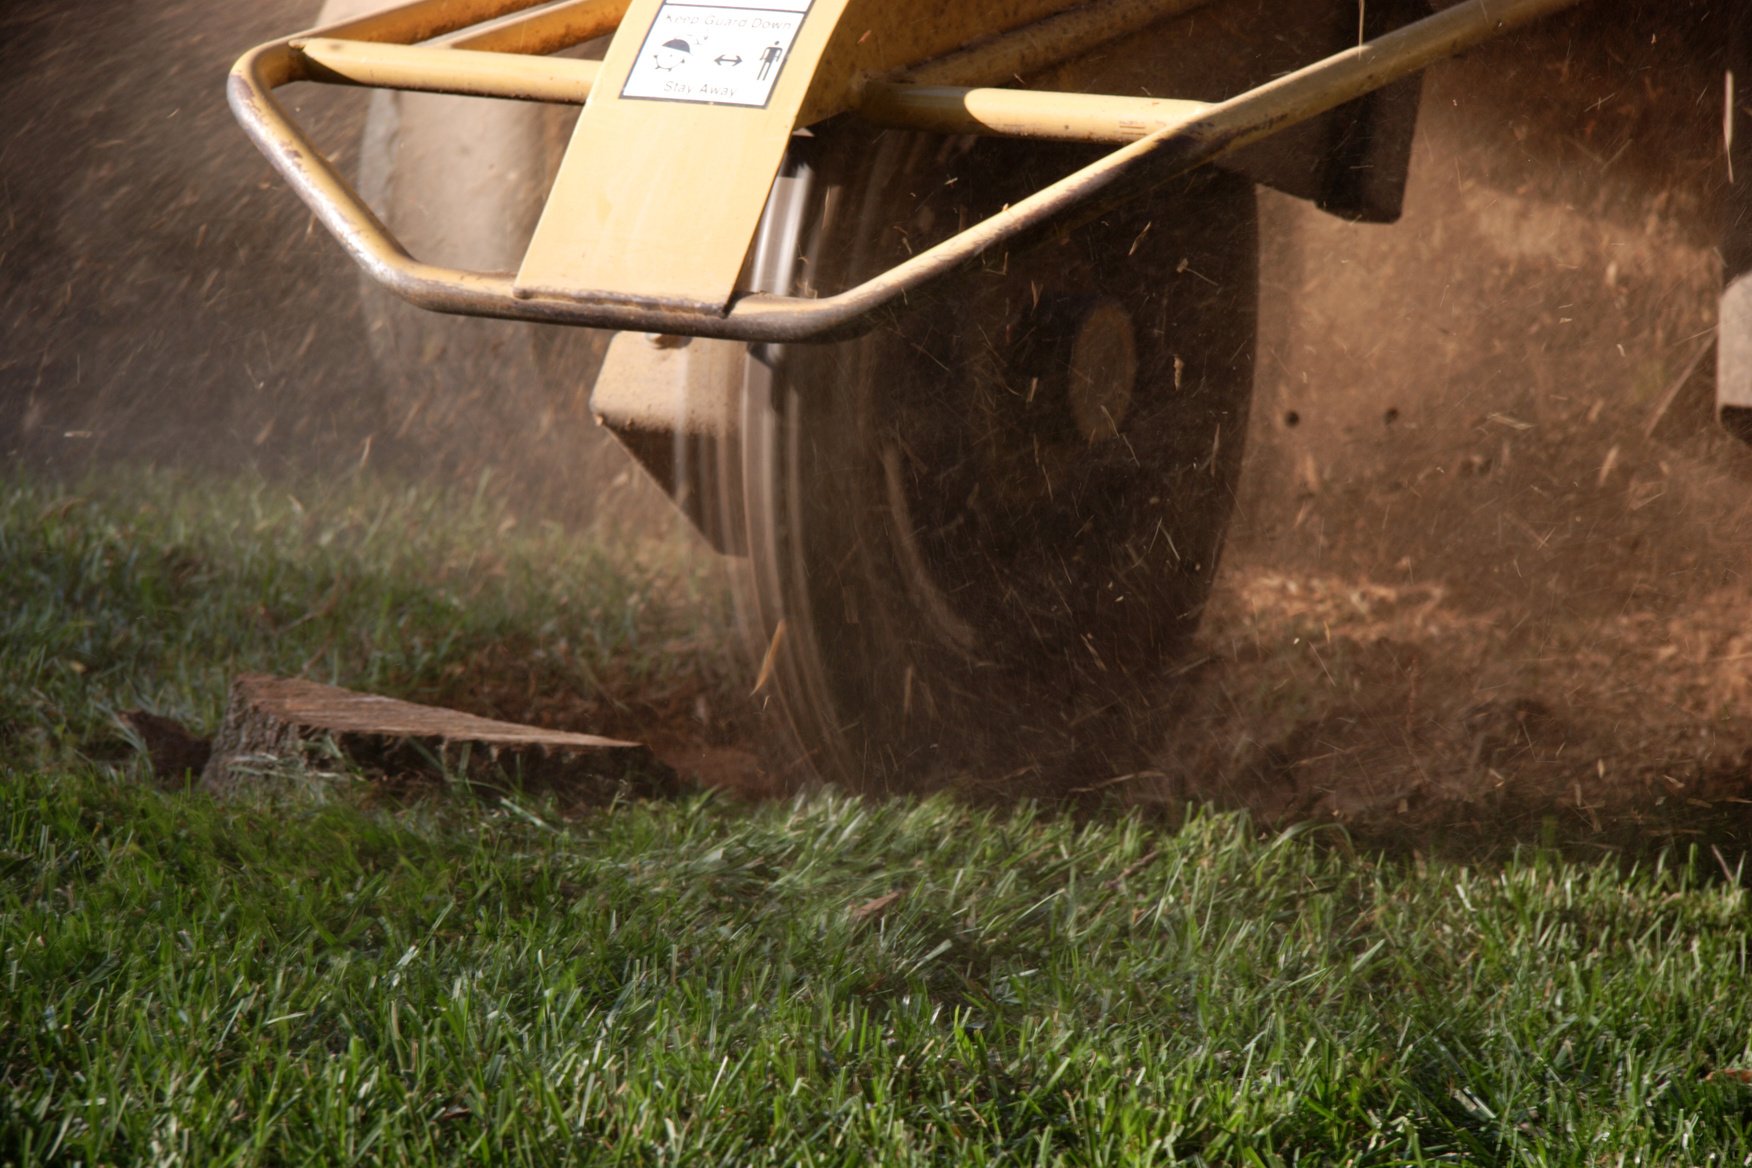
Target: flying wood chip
column 272, row 720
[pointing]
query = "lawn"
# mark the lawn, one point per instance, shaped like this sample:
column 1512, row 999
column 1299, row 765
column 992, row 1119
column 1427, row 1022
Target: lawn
column 318, row 973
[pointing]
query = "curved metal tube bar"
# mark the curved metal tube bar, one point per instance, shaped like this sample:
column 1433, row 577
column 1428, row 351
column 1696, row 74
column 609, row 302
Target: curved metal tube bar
column 757, row 317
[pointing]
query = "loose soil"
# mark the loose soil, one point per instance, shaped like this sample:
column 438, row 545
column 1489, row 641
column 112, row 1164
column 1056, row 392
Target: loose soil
column 1489, row 579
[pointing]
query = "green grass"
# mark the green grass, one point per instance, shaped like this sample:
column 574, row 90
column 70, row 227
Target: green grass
column 152, row 590
column 295, row 983
column 306, row 976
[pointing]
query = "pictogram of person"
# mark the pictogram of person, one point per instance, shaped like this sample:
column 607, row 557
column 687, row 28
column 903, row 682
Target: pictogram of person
column 769, row 57
column 671, row 55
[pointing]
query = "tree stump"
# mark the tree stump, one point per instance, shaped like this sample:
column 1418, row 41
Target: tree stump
column 272, row 721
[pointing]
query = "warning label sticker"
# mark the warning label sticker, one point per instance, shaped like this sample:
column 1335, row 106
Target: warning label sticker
column 715, row 51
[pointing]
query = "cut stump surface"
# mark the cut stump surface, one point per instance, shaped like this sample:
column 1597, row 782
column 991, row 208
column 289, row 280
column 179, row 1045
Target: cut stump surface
column 273, row 720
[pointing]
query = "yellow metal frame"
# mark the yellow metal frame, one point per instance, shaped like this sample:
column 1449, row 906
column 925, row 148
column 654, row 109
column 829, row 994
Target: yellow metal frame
column 871, row 62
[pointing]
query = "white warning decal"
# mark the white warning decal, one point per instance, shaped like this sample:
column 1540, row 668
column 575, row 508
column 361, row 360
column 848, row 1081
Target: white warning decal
column 716, row 51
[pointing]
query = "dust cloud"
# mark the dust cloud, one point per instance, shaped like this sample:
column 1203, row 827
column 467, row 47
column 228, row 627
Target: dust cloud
column 164, row 298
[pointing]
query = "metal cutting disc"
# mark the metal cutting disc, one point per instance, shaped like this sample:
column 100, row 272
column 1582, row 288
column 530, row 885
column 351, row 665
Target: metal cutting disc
column 981, row 531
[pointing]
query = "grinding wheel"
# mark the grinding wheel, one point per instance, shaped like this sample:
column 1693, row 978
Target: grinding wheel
column 981, row 532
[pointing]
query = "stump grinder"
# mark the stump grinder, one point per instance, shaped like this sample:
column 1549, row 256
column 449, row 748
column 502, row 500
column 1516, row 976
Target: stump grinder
column 939, row 316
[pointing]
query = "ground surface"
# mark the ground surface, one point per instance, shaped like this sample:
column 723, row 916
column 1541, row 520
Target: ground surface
column 1490, row 562
column 330, row 961
column 307, row 976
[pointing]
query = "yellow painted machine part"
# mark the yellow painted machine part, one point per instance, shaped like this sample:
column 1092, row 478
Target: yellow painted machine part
column 880, row 37
column 424, row 19
column 1066, row 117
column 946, row 109
column 488, row 74
column 556, row 27
column 655, row 238
column 660, row 198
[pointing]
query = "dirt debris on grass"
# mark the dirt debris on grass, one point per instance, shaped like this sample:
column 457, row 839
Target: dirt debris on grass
column 1487, row 580
column 1395, row 711
column 173, row 751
